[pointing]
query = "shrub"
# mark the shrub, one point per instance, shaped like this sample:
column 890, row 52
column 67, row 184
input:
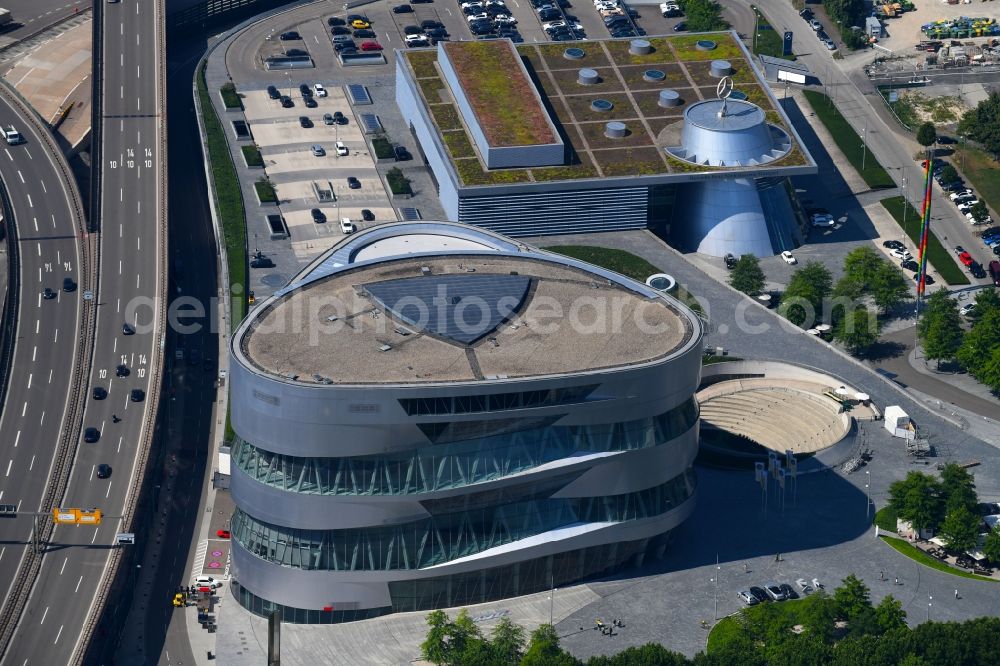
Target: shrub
column 231, row 98
column 252, row 156
column 381, row 147
column 265, row 191
column 398, row 183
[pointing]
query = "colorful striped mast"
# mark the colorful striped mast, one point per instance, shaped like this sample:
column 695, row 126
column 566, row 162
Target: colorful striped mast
column 925, row 226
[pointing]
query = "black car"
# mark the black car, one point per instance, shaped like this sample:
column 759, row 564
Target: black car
column 273, row 93
column 317, row 215
column 91, row 435
column 414, row 30
column 340, row 47
column 339, row 118
column 788, row 591
column 340, row 30
column 100, row 393
column 682, row 27
column 68, row 284
column 729, row 260
column 127, row 329
column 402, row 9
column 353, row 183
column 261, row 262
column 348, row 50
column 549, row 15
column 497, row 10
column 335, row 21
column 286, row 102
column 893, row 245
column 806, row 13
column 350, row 18
column 364, row 34
column 367, row 215
column 431, row 24
column 289, row 36
column 103, row 471
column 481, row 28
column 296, row 52
column 304, row 122
column 759, row 594
column 976, row 269
column 305, row 90
column 910, row 265
column 48, row 294
column 927, row 278
column 137, row 395
column 122, row 370
column 420, row 2
column 402, row 154
column 310, row 102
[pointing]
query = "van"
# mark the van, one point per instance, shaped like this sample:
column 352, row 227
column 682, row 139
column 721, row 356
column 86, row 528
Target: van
column 995, row 272
column 342, row 150
column 12, row 136
column 348, row 227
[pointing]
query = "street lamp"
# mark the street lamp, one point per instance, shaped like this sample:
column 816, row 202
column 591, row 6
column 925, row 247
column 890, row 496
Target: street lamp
column 868, row 493
column 929, row 599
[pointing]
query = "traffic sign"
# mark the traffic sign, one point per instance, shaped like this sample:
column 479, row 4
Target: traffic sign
column 125, row 538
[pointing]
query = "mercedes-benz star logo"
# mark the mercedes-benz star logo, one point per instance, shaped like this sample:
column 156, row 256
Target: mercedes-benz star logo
column 725, row 87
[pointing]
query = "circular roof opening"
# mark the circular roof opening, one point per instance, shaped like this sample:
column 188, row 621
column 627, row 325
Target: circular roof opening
column 661, row 282
column 601, row 105
column 705, row 45
column 736, row 94
column 615, row 130
column 588, row 77
column 653, row 75
column 640, row 47
column 721, row 68
column 574, row 53
column 669, row 98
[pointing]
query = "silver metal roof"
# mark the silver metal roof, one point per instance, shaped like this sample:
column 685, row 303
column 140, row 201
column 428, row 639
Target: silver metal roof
column 729, row 132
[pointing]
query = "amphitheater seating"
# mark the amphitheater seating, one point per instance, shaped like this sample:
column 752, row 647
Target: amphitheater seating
column 795, row 416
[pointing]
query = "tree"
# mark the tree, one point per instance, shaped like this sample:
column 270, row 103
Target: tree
column 704, row 16
column 544, row 650
column 980, row 213
column 802, row 301
column 450, row 642
column 857, row 330
column 818, row 614
column 435, row 647
column 949, row 174
column 851, row 598
column 982, row 124
column 960, row 529
column 987, row 300
column 958, row 488
column 890, row 614
column 940, row 327
column 507, row 643
column 979, row 343
column 918, row 499
column 747, row 276
column 889, row 288
column 989, row 372
column 991, row 546
column 926, row 134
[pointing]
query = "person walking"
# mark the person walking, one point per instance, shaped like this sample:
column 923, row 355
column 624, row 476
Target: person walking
column 881, row 575
column 956, row 594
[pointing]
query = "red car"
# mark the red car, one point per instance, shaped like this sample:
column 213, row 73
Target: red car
column 222, row 534
column 965, row 258
column 371, row 46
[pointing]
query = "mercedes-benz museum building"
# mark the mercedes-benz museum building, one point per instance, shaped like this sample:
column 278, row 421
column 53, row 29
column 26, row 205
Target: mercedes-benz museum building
column 433, row 415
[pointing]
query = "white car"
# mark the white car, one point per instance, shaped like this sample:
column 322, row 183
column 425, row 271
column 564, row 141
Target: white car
column 972, row 219
column 902, row 255
column 207, row 581
column 560, row 24
column 967, row 309
column 416, row 40
column 342, row 150
column 787, row 257
column 828, row 43
column 604, row 5
column 613, row 3
column 747, row 598
column 822, row 220
column 960, row 194
column 966, row 206
column 509, row 20
column 320, row 90
column 466, row 5
column 815, row 25
column 478, row 17
column 347, row 226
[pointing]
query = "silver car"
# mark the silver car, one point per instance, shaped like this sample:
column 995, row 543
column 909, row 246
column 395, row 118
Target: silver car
column 775, row 592
column 747, row 598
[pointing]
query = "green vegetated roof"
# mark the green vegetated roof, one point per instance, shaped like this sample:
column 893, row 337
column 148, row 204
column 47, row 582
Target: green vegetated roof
column 554, row 76
column 500, row 93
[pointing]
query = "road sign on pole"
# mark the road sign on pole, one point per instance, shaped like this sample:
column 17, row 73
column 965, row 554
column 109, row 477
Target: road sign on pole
column 786, row 43
column 125, row 538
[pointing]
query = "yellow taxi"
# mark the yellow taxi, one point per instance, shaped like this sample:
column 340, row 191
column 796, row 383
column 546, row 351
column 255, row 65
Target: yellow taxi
column 179, row 600
column 358, row 24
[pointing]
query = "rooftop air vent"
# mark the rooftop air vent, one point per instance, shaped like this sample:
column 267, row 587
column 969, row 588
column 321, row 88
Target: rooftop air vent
column 574, row 53
column 385, row 348
column 705, row 45
column 425, row 270
column 588, row 77
column 640, row 47
column 669, row 98
column 721, row 68
column 653, row 76
column 601, row 105
column 615, row 130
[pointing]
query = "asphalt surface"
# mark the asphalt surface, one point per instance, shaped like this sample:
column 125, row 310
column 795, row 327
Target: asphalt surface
column 73, row 570
column 30, row 16
column 40, row 377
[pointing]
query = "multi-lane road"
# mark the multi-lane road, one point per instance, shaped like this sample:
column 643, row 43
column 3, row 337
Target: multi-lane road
column 130, row 217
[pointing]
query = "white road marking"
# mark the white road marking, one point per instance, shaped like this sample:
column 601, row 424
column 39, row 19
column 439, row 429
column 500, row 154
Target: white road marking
column 50, row 376
column 136, row 281
column 17, row 438
column 92, row 468
column 34, row 352
column 30, row 203
column 41, row 420
column 58, row 634
column 9, row 156
column 35, row 219
column 55, row 338
column 32, row 463
column 9, row 463
column 44, row 615
column 94, row 538
column 106, row 495
column 24, row 409
column 28, row 153
column 78, row 585
column 63, row 568
column 122, row 437
column 30, row 375
column 21, row 176
column 44, row 189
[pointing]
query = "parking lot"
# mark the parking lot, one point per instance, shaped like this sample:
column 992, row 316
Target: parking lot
column 300, row 177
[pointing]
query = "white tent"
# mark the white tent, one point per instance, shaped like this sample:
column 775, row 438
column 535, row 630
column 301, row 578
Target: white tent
column 898, row 422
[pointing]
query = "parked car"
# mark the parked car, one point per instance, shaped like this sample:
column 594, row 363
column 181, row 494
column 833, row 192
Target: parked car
column 342, row 150
column 829, row 44
column 893, row 245
column 341, row 47
column 371, row 46
column 317, row 216
column 327, row 119
column 901, row 254
column 788, row 591
column 223, row 534
column 965, row 258
column 416, row 40
column 304, row 122
column 821, row 220
column 367, row 215
column 261, row 262
column 364, row 34
column 976, row 270
column 927, row 278
column 909, row 265
column 681, row 27
column 340, row 30
column 347, row 226
column 759, row 593
column 774, row 591
column 803, row 585
column 317, row 150
column 286, row 102
column 413, row 30
column 360, row 24
column 353, row 183
column 272, row 92
column 310, row 103
column 815, row 25
column 339, row 118
column 789, row 258
column 967, row 309
column 319, row 89
column 335, row 20
column 402, row 9
column 747, row 598
column 401, row 154
column 291, row 35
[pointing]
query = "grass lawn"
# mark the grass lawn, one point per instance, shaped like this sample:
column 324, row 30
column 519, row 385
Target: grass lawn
column 768, row 40
column 252, row 156
column 981, row 171
column 885, row 518
column 230, row 98
column 265, row 191
column 725, row 631
column 229, row 202
column 937, row 255
column 848, row 141
column 781, row 614
column 621, row 262
column 920, row 556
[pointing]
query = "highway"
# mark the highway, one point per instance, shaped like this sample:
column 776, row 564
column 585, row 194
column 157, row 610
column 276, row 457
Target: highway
column 50, row 229
column 132, row 246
